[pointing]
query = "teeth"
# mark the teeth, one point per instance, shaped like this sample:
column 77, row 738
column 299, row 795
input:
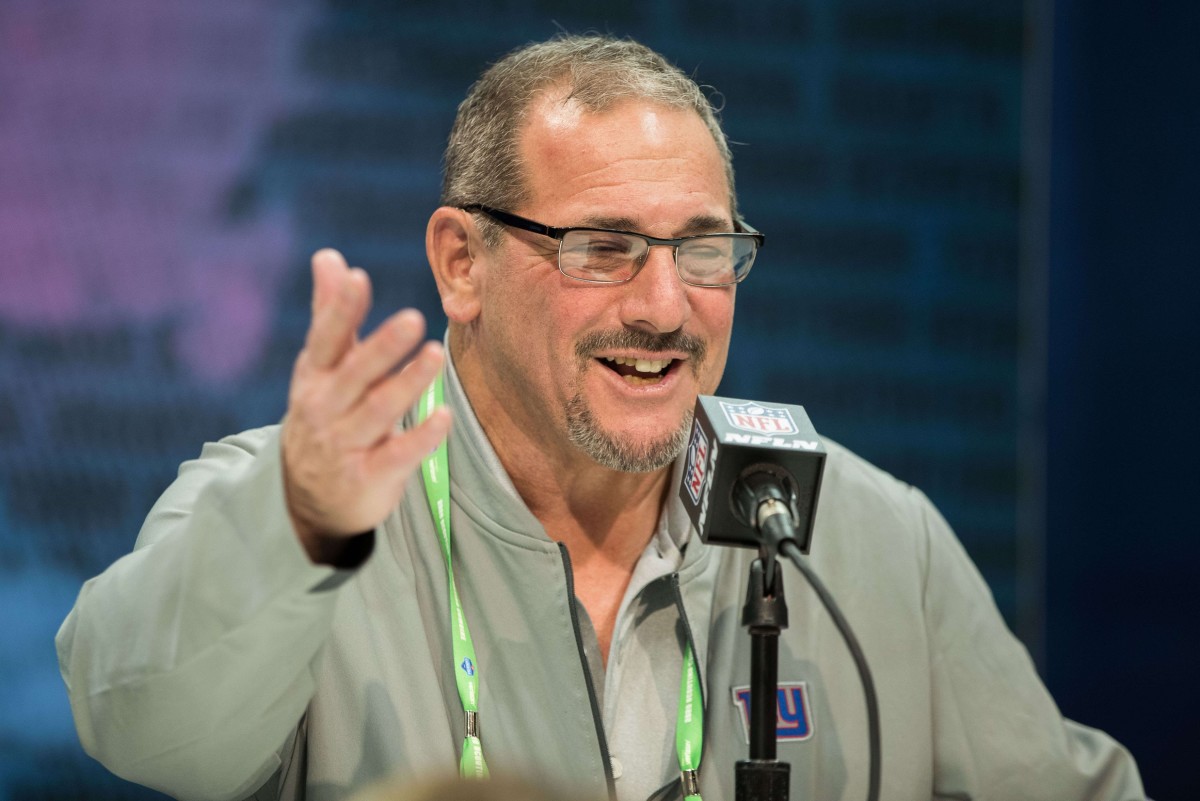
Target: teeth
column 641, row 365
column 650, row 365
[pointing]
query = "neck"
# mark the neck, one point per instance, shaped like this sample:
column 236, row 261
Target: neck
column 600, row 514
column 605, row 517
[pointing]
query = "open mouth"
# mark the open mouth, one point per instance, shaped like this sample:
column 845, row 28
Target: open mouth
column 638, row 371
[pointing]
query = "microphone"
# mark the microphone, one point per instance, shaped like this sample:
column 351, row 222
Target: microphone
column 753, row 473
column 752, row 478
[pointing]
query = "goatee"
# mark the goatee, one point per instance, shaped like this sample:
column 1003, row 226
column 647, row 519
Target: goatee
column 585, row 432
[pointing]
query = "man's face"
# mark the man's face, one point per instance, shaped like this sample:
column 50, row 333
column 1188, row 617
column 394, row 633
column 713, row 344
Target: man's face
column 557, row 344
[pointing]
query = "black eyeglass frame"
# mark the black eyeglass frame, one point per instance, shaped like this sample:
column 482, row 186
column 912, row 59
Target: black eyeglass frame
column 525, row 224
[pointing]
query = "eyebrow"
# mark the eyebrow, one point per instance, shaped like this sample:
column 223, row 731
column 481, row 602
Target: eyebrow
column 698, row 224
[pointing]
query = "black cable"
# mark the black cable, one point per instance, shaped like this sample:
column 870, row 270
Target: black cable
column 789, row 549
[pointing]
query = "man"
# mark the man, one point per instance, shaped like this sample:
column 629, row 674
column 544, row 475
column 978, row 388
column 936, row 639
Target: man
column 287, row 627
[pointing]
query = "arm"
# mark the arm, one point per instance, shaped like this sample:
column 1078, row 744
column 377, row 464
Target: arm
column 997, row 732
column 189, row 661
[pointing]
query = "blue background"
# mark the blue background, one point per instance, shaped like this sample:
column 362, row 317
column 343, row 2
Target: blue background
column 980, row 273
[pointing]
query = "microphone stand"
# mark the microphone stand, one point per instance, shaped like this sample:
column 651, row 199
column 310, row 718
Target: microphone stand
column 762, row 777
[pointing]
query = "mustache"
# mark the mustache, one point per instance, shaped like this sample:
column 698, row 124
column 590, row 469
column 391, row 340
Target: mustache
column 632, row 339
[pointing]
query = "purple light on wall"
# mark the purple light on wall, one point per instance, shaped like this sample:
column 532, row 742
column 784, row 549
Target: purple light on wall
column 123, row 127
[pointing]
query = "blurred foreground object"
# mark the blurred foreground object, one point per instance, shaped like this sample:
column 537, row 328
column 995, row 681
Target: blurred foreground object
column 452, row 788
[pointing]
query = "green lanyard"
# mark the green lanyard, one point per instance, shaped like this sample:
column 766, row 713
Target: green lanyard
column 689, row 729
column 435, row 470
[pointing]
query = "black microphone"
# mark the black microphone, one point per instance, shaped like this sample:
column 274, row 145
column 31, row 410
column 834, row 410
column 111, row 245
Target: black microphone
column 753, row 473
column 752, row 478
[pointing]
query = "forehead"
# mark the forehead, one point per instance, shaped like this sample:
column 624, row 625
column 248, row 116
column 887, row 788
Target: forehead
column 636, row 160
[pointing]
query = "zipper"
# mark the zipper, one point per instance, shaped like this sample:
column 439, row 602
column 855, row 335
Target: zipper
column 587, row 674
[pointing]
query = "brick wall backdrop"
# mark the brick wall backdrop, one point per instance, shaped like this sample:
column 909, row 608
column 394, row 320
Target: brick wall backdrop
column 167, row 167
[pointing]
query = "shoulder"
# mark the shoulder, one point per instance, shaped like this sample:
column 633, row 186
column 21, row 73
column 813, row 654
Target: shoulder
column 238, row 477
column 859, row 491
column 250, row 442
column 871, row 524
column 233, row 451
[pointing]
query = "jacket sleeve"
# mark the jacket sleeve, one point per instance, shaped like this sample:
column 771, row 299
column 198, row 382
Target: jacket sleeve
column 997, row 732
column 190, row 661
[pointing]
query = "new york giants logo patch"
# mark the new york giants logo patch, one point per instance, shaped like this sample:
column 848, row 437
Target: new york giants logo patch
column 793, row 720
column 759, row 418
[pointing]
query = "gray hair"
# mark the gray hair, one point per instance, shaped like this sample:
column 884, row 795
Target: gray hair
column 482, row 162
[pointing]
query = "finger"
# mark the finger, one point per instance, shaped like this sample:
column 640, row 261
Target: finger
column 376, row 357
column 395, row 459
column 327, row 266
column 329, row 273
column 340, row 314
column 364, row 298
column 374, row 417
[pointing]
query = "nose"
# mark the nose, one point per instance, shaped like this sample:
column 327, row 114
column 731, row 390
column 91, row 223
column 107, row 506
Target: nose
column 656, row 300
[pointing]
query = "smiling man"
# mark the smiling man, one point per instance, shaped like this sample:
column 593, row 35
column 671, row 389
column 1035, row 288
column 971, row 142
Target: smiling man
column 583, row 378
column 306, row 611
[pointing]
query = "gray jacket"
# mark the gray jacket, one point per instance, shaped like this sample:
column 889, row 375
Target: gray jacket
column 216, row 662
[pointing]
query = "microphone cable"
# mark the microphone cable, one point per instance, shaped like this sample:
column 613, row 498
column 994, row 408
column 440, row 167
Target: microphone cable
column 781, row 533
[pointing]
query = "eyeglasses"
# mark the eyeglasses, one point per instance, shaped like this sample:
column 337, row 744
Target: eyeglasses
column 604, row 256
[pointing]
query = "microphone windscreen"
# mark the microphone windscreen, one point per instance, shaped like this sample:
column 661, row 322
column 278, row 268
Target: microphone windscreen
column 732, row 437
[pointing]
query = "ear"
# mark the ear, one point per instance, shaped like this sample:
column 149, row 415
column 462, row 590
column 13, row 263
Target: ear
column 453, row 246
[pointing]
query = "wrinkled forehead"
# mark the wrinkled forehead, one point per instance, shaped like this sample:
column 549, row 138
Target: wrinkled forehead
column 566, row 148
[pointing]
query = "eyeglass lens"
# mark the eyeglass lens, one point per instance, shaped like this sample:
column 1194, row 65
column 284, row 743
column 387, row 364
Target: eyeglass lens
column 613, row 257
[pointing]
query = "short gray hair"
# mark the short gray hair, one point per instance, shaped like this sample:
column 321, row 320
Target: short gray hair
column 482, row 162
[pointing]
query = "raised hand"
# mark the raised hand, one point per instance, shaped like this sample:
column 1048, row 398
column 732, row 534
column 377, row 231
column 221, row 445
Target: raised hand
column 344, row 462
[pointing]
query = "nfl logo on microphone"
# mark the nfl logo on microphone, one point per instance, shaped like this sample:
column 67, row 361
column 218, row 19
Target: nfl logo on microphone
column 759, row 418
column 697, row 462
